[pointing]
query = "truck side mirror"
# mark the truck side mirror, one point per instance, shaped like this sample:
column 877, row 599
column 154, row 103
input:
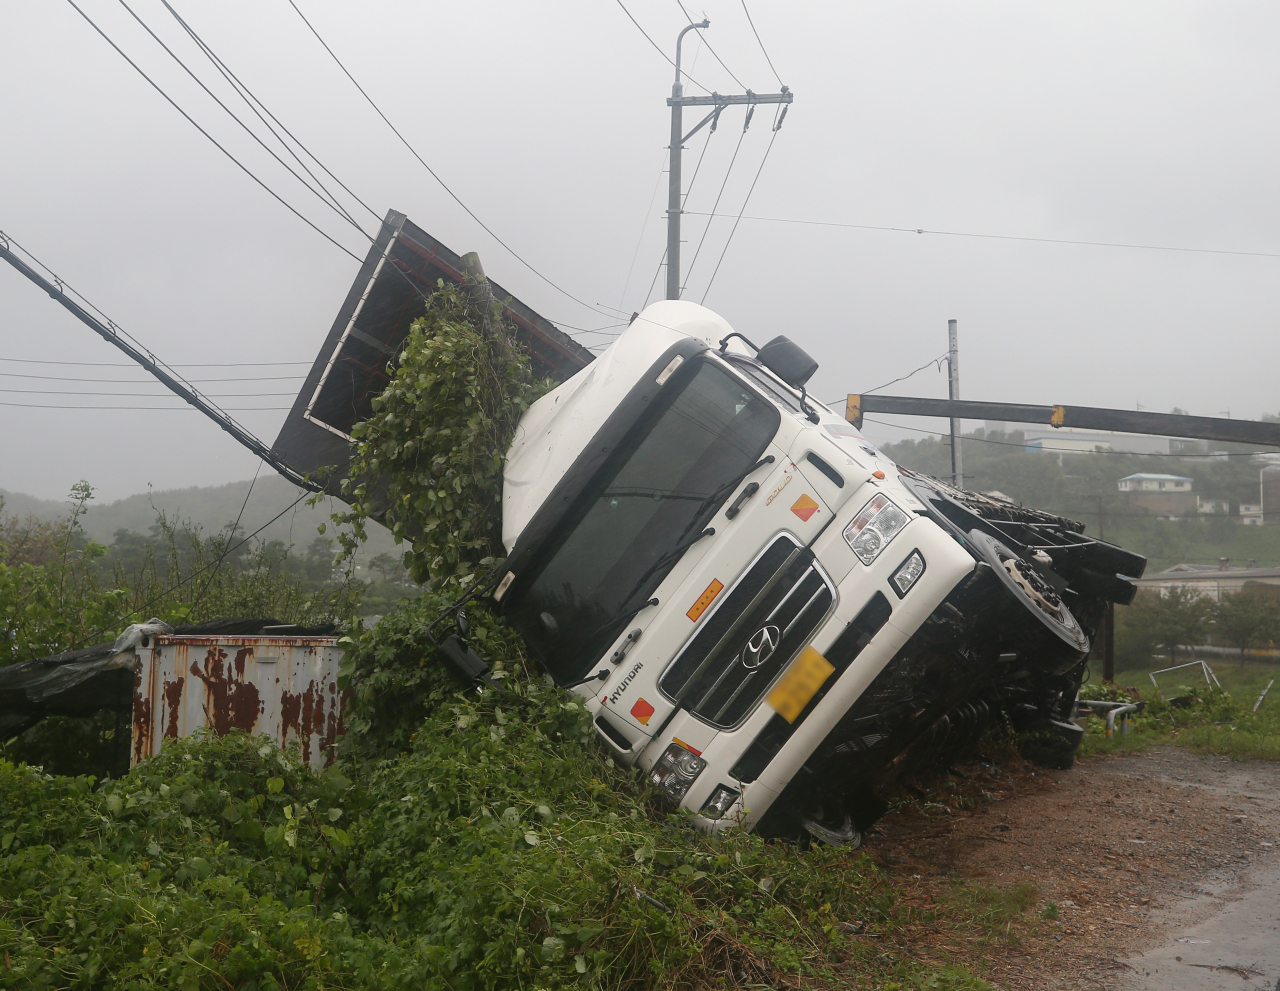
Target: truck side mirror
column 788, row 361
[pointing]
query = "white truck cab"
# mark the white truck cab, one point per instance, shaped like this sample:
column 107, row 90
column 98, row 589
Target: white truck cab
column 758, row 607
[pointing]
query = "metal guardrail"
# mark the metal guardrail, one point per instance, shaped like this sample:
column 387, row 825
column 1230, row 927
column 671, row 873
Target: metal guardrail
column 1112, row 710
column 1210, row 678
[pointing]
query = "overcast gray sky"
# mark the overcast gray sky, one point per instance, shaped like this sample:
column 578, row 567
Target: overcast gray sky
column 1142, row 123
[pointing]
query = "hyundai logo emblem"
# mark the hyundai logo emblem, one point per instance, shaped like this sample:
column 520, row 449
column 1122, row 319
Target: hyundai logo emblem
column 760, row 647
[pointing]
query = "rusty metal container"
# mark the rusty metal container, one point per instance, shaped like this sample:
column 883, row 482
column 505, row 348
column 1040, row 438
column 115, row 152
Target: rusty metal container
column 285, row 687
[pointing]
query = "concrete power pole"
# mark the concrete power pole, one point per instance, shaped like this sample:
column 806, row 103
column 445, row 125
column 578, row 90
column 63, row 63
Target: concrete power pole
column 953, row 392
column 677, row 103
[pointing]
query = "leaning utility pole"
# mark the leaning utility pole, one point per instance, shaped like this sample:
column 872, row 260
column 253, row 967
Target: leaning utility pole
column 953, row 393
column 677, row 103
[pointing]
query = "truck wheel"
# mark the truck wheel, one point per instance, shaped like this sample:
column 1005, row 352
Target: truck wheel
column 1029, row 587
column 1053, row 744
column 831, row 826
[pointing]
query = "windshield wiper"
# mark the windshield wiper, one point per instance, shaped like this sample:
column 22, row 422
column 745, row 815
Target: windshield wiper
column 665, row 558
column 722, row 492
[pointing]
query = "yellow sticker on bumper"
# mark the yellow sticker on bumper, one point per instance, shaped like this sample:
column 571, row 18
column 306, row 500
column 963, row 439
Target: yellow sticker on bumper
column 801, row 682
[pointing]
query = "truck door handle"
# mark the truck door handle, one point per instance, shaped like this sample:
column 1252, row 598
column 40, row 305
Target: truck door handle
column 751, row 489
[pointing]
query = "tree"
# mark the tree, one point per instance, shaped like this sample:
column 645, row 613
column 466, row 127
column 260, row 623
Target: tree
column 388, row 566
column 1182, row 619
column 1247, row 619
column 435, row 445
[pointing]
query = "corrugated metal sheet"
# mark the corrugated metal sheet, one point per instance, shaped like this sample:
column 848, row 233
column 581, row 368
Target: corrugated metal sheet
column 286, row 687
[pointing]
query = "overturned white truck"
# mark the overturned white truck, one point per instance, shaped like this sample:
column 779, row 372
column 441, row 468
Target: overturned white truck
column 762, row 610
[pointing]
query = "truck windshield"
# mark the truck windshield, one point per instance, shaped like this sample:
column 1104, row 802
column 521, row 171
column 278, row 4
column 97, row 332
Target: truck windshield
column 666, row 479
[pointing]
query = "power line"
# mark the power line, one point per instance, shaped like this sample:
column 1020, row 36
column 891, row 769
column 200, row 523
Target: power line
column 713, row 52
column 212, row 140
column 656, row 272
column 142, row 395
column 69, row 378
column 1008, row 237
column 645, row 226
column 703, row 240
column 935, row 361
column 656, row 47
column 231, row 534
column 761, row 43
column 773, row 137
column 158, row 409
column 195, row 574
column 106, row 328
column 250, row 99
column 133, row 364
column 330, row 203
column 430, row 170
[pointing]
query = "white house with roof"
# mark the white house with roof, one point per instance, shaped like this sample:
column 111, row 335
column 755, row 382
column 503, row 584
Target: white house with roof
column 1146, row 482
column 1164, row 495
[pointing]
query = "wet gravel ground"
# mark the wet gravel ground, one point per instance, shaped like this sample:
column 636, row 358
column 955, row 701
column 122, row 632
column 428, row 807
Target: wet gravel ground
column 1135, row 853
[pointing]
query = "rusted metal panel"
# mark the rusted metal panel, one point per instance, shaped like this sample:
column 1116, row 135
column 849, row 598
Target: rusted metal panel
column 285, row 687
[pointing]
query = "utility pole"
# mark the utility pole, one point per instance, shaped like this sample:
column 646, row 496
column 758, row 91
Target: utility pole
column 953, row 393
column 717, row 103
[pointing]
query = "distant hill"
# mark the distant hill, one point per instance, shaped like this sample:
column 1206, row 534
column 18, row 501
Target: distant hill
column 211, row 508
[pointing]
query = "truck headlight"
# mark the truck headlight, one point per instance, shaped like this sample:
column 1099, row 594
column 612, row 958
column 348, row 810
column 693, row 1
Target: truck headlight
column 872, row 529
column 720, row 802
column 676, row 770
column 908, row 573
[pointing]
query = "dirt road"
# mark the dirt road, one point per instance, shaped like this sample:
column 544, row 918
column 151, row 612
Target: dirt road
column 1133, row 872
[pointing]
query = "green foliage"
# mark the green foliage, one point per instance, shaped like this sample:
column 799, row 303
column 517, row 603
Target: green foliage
column 1195, row 715
column 50, row 595
column 502, row 849
column 1178, row 618
column 59, row 591
column 1246, row 620
column 433, row 449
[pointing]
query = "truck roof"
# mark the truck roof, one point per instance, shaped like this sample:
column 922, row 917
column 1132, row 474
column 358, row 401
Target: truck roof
column 558, row 426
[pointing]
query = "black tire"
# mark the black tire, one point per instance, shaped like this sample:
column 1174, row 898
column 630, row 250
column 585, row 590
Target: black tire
column 1022, row 581
column 1053, row 744
column 831, row 826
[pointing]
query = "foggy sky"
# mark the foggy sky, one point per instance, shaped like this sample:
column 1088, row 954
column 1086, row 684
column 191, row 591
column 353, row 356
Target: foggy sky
column 1148, row 123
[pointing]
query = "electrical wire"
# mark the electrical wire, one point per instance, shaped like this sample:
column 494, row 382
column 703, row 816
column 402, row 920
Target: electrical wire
column 251, row 99
column 243, row 168
column 772, row 138
column 645, row 226
column 157, row 409
column 332, row 205
column 1064, row 450
column 142, row 395
column 761, row 43
column 713, row 52
column 8, row 243
column 1011, row 237
column 134, row 364
column 69, row 378
column 195, row 574
column 936, row 361
column 430, row 170
column 231, row 535
column 654, row 281
column 696, row 169
column 656, row 47
column 703, row 240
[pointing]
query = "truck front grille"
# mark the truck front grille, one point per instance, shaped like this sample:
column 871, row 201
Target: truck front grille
column 754, row 633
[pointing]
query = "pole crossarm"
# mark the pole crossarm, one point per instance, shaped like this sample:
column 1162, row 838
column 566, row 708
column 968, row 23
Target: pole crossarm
column 178, row 388
column 703, row 123
column 1081, row 417
column 719, row 100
